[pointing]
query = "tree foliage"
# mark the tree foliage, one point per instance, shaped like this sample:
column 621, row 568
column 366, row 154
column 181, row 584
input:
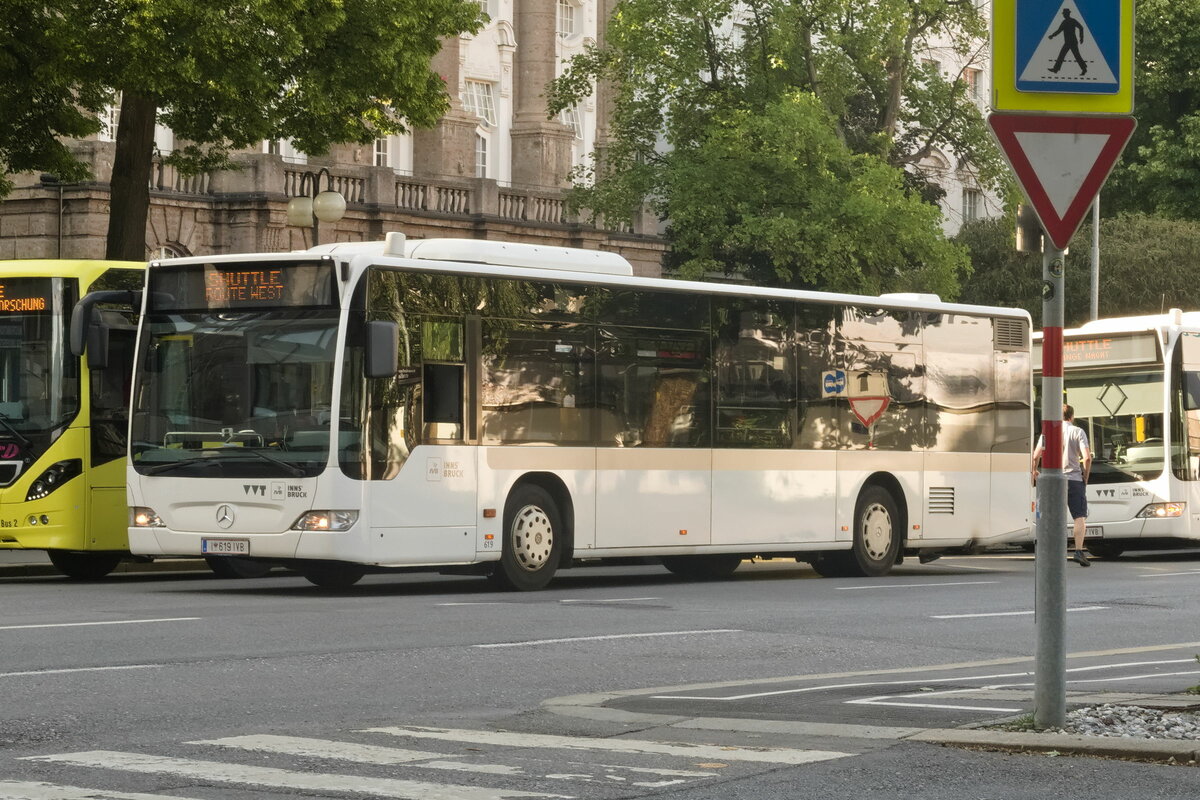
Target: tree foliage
column 1160, row 170
column 226, row 75
column 1147, row 265
column 802, row 124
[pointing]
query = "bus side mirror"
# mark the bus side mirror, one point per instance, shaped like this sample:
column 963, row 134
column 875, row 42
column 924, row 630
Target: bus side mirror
column 382, row 351
column 97, row 346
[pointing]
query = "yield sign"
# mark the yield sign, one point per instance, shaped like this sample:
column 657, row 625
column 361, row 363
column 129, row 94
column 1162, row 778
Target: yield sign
column 1061, row 162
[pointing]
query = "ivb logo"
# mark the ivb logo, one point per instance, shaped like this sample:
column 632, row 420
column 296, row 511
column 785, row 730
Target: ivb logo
column 255, row 489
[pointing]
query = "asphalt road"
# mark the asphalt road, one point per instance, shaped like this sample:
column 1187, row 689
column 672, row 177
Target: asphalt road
column 417, row 685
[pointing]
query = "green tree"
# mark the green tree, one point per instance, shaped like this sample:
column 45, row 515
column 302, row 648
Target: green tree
column 227, row 75
column 704, row 92
column 1160, row 170
column 1147, row 265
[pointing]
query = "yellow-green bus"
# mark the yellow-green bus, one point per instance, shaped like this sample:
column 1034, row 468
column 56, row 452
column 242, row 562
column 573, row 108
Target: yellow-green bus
column 64, row 427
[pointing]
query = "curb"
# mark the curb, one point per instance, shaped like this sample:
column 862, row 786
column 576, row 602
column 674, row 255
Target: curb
column 1164, row 750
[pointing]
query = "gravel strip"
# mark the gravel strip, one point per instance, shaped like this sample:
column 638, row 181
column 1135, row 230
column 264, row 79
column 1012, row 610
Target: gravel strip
column 1132, row 722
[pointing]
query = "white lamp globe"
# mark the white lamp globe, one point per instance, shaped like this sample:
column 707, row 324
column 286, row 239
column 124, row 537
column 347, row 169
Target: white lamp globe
column 329, row 206
column 300, row 212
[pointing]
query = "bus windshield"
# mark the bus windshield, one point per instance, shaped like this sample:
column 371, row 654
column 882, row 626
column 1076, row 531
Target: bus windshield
column 1123, row 416
column 39, row 380
column 235, row 394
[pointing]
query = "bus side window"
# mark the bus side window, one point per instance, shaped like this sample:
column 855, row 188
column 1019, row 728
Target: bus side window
column 444, row 395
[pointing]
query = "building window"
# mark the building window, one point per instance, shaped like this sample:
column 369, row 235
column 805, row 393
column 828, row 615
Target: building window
column 477, row 99
column 110, row 117
column 275, row 147
column 490, row 7
column 383, row 152
column 481, row 155
column 972, row 204
column 571, row 118
column 566, row 19
column 933, row 65
column 972, row 78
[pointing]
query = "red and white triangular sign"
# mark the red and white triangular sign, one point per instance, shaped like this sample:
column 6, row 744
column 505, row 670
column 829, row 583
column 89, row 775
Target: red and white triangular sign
column 1061, row 162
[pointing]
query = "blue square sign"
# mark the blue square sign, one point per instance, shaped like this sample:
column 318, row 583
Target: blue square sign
column 1068, row 46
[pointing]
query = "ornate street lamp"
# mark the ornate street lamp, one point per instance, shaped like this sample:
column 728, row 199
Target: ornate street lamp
column 308, row 211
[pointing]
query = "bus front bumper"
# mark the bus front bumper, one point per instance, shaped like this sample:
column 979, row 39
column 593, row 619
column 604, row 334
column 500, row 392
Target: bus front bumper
column 285, row 545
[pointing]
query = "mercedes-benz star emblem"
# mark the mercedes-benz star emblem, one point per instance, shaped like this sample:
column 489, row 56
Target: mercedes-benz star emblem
column 225, row 516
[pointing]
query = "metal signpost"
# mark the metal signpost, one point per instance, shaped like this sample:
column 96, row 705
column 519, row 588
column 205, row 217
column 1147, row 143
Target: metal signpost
column 1062, row 87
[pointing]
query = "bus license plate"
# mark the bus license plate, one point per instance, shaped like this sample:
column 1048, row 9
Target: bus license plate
column 225, row 547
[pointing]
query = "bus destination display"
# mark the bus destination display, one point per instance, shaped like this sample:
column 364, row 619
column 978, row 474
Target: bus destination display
column 256, row 285
column 1104, row 351
column 26, row 295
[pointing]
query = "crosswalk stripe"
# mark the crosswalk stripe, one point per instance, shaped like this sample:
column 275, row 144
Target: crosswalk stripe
column 36, row 790
column 217, row 772
column 352, row 751
column 698, row 751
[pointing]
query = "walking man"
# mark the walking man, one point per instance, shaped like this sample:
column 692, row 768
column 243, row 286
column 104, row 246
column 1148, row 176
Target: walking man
column 1072, row 33
column 1077, row 465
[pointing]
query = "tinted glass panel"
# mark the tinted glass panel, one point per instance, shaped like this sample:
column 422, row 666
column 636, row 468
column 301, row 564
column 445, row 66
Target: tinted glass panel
column 653, row 388
column 754, row 371
column 539, row 383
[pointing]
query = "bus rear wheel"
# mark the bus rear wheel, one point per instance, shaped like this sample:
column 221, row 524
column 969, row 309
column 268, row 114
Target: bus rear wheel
column 876, row 533
column 84, row 566
column 233, row 567
column 333, row 576
column 703, row 568
column 532, row 546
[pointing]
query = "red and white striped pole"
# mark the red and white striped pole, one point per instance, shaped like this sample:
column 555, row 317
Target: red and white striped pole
column 1050, row 669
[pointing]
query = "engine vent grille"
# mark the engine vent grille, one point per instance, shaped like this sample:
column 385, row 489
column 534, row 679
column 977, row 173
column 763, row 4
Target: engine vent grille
column 1010, row 334
column 941, row 499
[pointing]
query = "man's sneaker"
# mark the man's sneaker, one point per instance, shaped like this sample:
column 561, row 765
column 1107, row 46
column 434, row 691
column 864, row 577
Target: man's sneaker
column 1082, row 559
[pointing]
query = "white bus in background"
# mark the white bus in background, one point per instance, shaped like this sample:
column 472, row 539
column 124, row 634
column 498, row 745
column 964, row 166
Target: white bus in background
column 510, row 409
column 1134, row 383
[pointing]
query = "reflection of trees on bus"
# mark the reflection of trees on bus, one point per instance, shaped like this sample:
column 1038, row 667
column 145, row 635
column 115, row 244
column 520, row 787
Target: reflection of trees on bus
column 572, row 364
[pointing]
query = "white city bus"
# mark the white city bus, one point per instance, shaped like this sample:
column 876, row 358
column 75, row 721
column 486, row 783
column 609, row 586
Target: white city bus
column 1134, row 383
column 510, row 409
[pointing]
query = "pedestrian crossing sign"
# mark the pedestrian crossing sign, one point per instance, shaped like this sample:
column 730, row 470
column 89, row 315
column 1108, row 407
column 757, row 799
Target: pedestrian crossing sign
column 1063, row 56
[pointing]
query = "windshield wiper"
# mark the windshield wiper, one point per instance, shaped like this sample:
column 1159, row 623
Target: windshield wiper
column 20, row 436
column 218, row 453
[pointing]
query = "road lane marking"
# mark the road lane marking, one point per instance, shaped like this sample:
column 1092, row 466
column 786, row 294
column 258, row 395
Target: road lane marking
column 217, row 772
column 913, row 585
column 701, row 752
column 474, row 604
column 37, row 790
column 352, row 751
column 1010, row 613
column 86, row 624
column 66, row 670
column 1171, row 574
column 613, row 600
column 533, row 642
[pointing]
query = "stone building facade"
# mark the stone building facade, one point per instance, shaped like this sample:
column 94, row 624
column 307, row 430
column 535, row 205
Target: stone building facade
column 493, row 168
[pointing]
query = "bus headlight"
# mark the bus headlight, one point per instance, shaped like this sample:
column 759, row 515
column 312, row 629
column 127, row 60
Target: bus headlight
column 326, row 521
column 144, row 518
column 1162, row 510
column 55, row 476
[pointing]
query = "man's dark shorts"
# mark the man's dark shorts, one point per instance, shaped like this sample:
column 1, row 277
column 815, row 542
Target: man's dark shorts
column 1077, row 499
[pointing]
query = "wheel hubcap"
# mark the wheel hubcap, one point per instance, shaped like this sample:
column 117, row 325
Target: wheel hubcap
column 876, row 531
column 532, row 538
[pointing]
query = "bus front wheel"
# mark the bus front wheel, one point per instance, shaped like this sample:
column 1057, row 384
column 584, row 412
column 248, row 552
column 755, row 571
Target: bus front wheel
column 532, row 545
column 84, row 566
